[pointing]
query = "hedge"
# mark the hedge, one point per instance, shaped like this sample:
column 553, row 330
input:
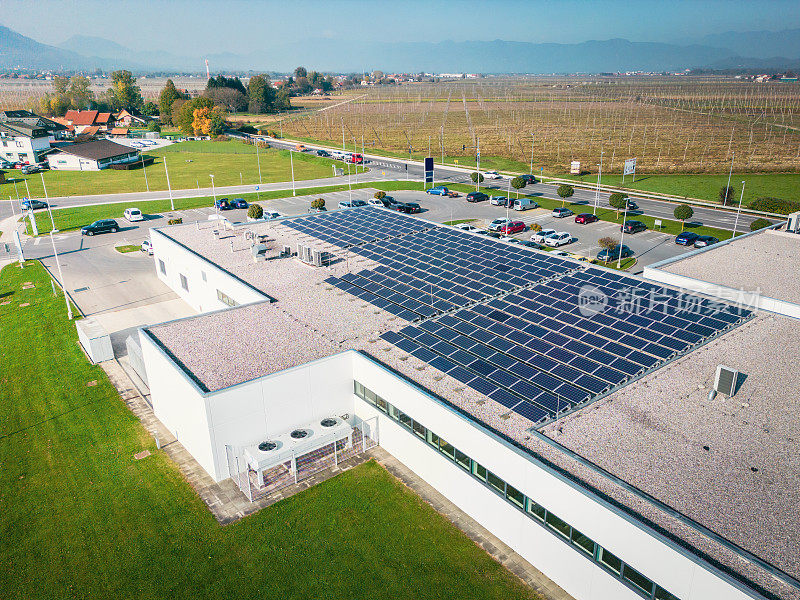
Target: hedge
column 775, row 205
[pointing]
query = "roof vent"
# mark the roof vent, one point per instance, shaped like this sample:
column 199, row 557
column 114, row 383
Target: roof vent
column 725, row 380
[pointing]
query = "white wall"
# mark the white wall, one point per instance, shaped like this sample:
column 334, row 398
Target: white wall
column 202, row 295
column 61, row 161
column 566, row 566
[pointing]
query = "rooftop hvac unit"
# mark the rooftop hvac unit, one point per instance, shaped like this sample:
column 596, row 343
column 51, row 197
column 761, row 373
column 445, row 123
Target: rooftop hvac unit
column 307, row 255
column 793, row 222
column 316, row 256
column 725, row 380
column 287, row 251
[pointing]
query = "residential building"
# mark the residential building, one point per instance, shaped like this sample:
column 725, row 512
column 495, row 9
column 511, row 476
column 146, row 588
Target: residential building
column 26, row 137
column 82, row 120
column 91, row 156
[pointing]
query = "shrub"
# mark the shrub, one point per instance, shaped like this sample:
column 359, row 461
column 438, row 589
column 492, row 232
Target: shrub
column 380, row 194
column 255, row 211
column 607, row 242
column 618, row 201
column 565, row 191
column 683, row 212
column 536, row 227
column 759, row 223
column 175, row 221
column 726, row 193
column 318, row 203
column 518, row 183
column 154, row 126
column 775, row 205
column 248, row 129
column 476, row 177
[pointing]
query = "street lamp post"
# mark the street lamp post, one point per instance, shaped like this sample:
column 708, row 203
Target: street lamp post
column 258, row 159
column 597, row 192
column 169, row 187
column 291, row 162
column 145, row 173
column 47, row 201
column 61, row 274
column 533, row 137
column 738, row 211
column 622, row 235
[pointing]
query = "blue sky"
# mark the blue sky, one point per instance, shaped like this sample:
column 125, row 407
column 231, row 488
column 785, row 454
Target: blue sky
column 240, row 27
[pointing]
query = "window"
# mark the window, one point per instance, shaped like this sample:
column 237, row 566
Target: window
column 162, row 267
column 393, row 412
column 447, row 449
column 405, row 420
column 609, row 561
column 515, row 496
column 479, row 471
column 225, row 299
column 557, row 525
column 462, row 459
column 496, row 483
column 638, row 580
column 433, row 439
column 358, row 389
column 536, row 510
column 662, row 594
column 369, row 395
column 203, row 275
column 582, row 542
column 381, row 403
column 419, row 429
column 184, row 282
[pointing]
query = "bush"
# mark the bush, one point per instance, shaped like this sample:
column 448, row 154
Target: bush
column 220, row 138
column 518, row 183
column 154, row 126
column 476, row 177
column 607, row 243
column 565, row 191
column 683, row 212
column 775, row 205
column 536, row 227
column 248, row 129
column 759, row 223
column 174, row 221
column 380, row 195
column 318, row 203
column 255, row 211
column 726, row 193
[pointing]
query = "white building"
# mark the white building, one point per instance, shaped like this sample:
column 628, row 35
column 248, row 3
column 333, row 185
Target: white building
column 92, row 156
column 640, row 488
column 26, row 137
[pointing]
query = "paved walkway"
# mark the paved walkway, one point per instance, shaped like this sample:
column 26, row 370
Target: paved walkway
column 228, row 504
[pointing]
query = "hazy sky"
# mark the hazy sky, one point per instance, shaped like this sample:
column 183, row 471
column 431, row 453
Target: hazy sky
column 239, row 27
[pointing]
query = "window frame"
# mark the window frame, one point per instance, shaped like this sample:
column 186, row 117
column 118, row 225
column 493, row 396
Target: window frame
column 184, row 281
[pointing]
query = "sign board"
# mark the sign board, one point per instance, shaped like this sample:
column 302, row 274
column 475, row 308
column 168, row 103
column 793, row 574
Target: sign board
column 575, row 167
column 630, row 166
column 657, row 223
column 429, row 170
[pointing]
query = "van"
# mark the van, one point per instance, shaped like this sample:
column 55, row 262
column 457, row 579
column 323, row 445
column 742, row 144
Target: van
column 525, row 204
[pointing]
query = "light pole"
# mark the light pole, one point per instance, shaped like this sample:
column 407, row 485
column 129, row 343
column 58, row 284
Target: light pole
column 52, row 223
column 213, row 190
column 145, row 173
column 730, row 173
column 622, row 235
column 597, row 192
column 61, row 274
column 291, row 162
column 738, row 210
column 258, row 159
column 533, row 137
column 478, row 165
column 169, row 187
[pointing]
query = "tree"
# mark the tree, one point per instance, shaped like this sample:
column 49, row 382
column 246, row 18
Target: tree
column 618, row 201
column 759, row 223
column 300, row 72
column 282, row 99
column 255, row 211
column 608, row 243
column 124, row 93
column 218, row 118
column 183, row 112
column 261, row 95
column 476, row 177
column 79, row 92
column 518, row 183
column 229, row 98
column 60, row 84
column 318, row 203
column 166, row 99
column 565, row 191
column 683, row 212
column 150, row 109
column 380, row 195
column 154, row 126
column 726, row 194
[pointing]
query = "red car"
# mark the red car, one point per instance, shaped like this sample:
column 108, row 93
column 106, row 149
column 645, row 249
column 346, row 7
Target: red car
column 585, row 218
column 356, row 158
column 513, row 227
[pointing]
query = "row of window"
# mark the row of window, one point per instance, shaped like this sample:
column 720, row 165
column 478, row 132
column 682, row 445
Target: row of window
column 586, row 546
column 225, row 299
column 221, row 296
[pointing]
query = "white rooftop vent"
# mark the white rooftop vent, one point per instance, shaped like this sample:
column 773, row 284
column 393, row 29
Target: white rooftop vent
column 725, row 380
column 793, row 222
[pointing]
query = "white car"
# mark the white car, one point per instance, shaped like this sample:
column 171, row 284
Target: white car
column 375, row 202
column 133, row 214
column 147, row 246
column 562, row 238
column 492, row 175
column 498, row 224
column 466, row 227
column 540, row 236
column 271, row 214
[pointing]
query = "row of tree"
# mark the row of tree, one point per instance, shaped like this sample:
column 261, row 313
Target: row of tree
column 75, row 93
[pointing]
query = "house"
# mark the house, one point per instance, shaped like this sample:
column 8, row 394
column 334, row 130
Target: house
column 84, row 119
column 26, row 137
column 91, row 156
column 118, row 132
column 125, row 118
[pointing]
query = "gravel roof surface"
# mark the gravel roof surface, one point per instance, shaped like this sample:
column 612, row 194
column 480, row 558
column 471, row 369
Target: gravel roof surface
column 697, row 455
column 755, row 263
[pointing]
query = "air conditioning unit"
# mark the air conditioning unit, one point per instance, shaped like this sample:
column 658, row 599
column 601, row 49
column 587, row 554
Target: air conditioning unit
column 287, row 251
column 793, row 222
column 301, row 251
column 725, row 380
column 316, row 258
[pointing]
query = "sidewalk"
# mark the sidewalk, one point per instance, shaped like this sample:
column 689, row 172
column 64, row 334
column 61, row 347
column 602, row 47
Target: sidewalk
column 7, row 228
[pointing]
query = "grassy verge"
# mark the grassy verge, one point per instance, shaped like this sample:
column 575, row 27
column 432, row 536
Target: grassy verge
column 626, row 264
column 459, row 221
column 80, row 518
column 127, row 248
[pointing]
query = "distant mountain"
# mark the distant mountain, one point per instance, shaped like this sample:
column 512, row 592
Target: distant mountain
column 758, row 44
column 17, row 50
column 90, row 46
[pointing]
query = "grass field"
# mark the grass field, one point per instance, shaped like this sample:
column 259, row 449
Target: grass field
column 190, row 163
column 127, row 248
column 80, row 518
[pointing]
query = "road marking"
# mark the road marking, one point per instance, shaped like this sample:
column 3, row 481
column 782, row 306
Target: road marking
column 36, row 241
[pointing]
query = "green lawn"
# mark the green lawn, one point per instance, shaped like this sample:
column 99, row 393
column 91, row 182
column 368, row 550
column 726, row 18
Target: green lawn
column 80, row 518
column 127, row 248
column 706, row 186
column 190, row 163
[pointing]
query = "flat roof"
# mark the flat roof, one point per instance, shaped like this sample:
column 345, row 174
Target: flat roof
column 765, row 262
column 644, row 440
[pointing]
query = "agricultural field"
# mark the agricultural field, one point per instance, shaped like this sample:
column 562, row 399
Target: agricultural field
column 190, row 163
column 80, row 518
column 670, row 125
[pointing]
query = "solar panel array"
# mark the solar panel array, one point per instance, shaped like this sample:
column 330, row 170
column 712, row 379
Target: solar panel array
column 534, row 332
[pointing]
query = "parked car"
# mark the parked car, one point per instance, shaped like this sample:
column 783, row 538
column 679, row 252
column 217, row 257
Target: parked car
column 33, row 204
column 498, row 200
column 560, row 213
column 28, row 169
column 476, row 197
column 392, row 203
column 222, row 204
column 705, row 240
column 528, row 179
column 101, row 226
column 555, row 240
column 525, row 204
column 269, row 215
column 633, row 227
column 147, row 246
column 439, row 190
column 377, row 202
column 323, row 153
column 239, row 203
column 498, row 224
column 687, row 238
column 540, row 236
column 586, row 218
column 409, row 207
column 513, row 227
column 492, row 175
column 356, row 158
column 316, row 209
column 133, row 214
column 345, row 204
column 466, row 227
column 632, row 205
column 358, row 203
column 607, row 255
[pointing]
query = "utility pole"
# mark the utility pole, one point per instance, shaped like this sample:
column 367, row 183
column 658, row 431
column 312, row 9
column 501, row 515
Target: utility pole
column 61, row 274
column 622, row 235
column 47, row 201
column 258, row 158
column 597, row 192
column 478, row 165
column 169, row 187
column 738, row 211
column 730, row 173
column 533, row 137
column 291, row 162
column 145, row 173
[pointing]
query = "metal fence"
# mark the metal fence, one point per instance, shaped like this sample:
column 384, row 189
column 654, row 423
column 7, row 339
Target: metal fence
column 302, row 465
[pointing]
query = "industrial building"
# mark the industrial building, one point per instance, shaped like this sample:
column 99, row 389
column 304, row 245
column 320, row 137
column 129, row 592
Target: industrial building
column 629, row 439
